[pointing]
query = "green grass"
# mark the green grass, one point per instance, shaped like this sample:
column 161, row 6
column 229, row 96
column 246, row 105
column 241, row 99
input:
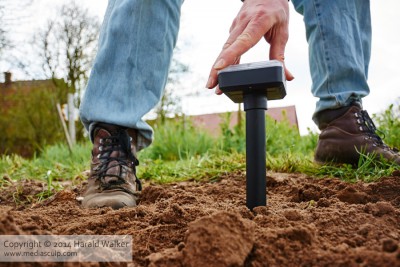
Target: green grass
column 56, row 166
column 178, row 140
column 367, row 170
column 208, row 167
column 55, row 163
column 389, row 124
column 181, row 152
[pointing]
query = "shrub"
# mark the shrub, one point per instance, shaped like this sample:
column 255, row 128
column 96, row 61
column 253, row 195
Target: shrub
column 232, row 140
column 283, row 138
column 29, row 121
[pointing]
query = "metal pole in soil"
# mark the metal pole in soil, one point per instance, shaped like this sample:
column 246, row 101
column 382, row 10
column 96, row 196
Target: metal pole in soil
column 253, row 84
column 255, row 105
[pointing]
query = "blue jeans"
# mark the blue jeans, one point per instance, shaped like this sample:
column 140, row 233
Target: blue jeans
column 138, row 37
column 339, row 38
column 131, row 67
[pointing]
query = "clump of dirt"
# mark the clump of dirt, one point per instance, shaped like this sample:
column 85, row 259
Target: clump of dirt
column 7, row 224
column 225, row 237
column 307, row 222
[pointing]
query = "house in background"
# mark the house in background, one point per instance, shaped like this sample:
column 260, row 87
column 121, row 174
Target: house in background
column 9, row 87
column 28, row 117
column 211, row 122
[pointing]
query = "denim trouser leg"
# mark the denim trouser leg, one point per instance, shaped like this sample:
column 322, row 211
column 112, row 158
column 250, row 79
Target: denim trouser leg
column 131, row 67
column 339, row 38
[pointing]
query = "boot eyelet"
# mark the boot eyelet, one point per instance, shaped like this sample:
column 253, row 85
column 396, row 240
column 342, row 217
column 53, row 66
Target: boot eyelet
column 361, row 129
column 100, row 148
column 98, row 156
column 101, row 141
column 356, row 114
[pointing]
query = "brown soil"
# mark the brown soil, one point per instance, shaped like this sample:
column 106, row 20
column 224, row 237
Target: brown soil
column 307, row 222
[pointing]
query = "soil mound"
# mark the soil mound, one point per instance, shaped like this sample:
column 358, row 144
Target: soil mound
column 307, row 222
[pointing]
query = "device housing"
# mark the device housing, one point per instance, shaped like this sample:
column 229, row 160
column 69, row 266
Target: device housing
column 266, row 77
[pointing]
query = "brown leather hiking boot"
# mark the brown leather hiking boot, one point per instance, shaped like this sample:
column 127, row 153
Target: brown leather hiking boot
column 351, row 133
column 112, row 181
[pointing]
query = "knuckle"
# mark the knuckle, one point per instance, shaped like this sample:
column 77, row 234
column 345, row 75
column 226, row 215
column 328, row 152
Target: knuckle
column 226, row 45
column 276, row 16
column 245, row 38
column 262, row 14
column 242, row 16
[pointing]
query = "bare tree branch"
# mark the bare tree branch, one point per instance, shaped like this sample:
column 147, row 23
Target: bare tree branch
column 68, row 44
column 10, row 16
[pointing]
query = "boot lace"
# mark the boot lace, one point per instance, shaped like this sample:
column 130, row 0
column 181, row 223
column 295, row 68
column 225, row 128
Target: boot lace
column 368, row 126
column 124, row 160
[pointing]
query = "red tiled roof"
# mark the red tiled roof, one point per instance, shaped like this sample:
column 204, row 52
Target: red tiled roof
column 27, row 84
column 211, row 122
column 10, row 88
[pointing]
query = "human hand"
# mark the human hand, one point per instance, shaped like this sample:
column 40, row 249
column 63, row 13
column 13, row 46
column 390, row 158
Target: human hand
column 256, row 19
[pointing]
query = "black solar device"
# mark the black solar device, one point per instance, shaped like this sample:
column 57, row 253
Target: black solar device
column 254, row 84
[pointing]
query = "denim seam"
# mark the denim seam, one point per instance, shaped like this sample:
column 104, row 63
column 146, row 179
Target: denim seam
column 138, row 40
column 324, row 47
column 165, row 37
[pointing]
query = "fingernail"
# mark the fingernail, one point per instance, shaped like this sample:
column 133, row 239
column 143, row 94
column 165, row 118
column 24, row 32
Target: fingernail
column 220, row 64
column 209, row 82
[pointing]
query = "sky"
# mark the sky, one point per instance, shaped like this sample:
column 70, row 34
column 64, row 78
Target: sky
column 204, row 30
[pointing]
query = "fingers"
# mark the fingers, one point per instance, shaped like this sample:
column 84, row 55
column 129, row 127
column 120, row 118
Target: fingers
column 277, row 49
column 257, row 18
column 289, row 76
column 239, row 42
column 217, row 89
column 227, row 52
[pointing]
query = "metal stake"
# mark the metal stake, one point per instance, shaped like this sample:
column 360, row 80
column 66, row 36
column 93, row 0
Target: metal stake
column 255, row 105
column 253, row 84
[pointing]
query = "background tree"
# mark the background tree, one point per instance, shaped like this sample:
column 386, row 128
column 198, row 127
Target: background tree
column 67, row 47
column 170, row 104
column 11, row 14
column 3, row 36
